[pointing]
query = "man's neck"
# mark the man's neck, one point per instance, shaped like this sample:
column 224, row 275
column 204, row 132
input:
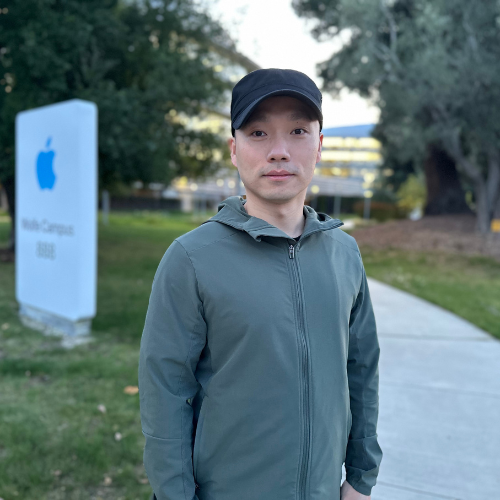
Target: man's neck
column 289, row 216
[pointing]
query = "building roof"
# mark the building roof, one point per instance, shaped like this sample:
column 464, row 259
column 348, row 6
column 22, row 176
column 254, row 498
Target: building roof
column 356, row 131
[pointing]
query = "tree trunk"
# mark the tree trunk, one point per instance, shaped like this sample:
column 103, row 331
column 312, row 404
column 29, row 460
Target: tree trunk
column 493, row 180
column 486, row 188
column 488, row 192
column 445, row 194
column 9, row 187
column 483, row 211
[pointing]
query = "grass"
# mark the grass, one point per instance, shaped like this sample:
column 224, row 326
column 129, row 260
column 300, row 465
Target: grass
column 130, row 248
column 465, row 285
column 55, row 443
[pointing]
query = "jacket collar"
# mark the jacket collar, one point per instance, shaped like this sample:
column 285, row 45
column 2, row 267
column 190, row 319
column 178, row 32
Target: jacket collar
column 231, row 212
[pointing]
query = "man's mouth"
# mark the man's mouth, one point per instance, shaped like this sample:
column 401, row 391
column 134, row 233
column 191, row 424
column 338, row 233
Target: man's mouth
column 278, row 174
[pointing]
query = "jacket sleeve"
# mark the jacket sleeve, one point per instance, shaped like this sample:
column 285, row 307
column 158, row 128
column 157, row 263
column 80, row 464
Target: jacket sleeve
column 363, row 453
column 172, row 340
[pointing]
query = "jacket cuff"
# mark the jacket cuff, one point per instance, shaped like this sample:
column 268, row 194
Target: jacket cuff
column 363, row 457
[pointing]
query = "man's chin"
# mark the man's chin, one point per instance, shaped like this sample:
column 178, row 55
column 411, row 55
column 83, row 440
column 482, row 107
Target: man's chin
column 282, row 196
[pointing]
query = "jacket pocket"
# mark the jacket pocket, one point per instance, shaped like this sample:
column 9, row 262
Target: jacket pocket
column 198, row 434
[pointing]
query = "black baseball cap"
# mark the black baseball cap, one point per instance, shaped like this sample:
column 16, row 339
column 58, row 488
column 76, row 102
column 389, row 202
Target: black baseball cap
column 262, row 83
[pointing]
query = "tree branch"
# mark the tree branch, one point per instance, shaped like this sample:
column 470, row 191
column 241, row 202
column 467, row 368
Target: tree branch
column 234, row 56
column 493, row 180
column 452, row 144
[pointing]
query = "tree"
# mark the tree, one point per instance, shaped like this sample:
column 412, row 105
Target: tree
column 144, row 63
column 431, row 67
column 445, row 194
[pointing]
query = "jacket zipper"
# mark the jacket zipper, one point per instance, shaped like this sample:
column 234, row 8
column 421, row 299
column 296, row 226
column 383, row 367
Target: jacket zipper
column 305, row 362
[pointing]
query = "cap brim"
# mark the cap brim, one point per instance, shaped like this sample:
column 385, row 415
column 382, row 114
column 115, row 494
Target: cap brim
column 240, row 120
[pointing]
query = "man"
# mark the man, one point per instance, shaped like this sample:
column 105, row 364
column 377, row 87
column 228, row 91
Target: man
column 258, row 372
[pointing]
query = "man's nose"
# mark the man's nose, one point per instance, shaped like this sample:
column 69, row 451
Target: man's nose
column 278, row 151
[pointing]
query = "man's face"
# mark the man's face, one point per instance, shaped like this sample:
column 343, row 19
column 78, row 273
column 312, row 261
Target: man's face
column 281, row 136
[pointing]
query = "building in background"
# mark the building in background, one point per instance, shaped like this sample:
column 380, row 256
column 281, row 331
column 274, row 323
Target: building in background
column 349, row 165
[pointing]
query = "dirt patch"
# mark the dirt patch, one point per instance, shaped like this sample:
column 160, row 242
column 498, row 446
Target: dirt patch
column 448, row 233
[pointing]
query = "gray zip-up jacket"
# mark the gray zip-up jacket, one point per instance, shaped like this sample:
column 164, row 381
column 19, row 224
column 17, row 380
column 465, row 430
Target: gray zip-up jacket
column 258, row 371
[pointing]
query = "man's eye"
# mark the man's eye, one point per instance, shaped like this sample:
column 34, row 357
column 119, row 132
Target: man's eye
column 258, row 133
column 299, row 131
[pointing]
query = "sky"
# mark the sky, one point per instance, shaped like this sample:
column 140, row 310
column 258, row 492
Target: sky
column 270, row 33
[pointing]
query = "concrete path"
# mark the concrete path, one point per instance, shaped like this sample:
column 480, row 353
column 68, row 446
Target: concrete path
column 439, row 420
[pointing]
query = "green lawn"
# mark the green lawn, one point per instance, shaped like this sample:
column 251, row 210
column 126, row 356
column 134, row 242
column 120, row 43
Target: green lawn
column 467, row 286
column 55, row 443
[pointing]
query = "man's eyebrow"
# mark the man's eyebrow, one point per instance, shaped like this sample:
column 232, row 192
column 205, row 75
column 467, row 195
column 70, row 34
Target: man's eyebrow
column 293, row 116
column 299, row 115
column 258, row 117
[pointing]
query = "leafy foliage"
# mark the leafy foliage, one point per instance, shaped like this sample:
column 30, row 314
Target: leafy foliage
column 145, row 64
column 431, row 67
column 412, row 193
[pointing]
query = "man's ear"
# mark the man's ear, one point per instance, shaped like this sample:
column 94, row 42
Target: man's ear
column 231, row 142
column 320, row 145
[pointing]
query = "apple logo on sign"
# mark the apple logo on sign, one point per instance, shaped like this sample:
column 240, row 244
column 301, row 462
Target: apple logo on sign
column 44, row 171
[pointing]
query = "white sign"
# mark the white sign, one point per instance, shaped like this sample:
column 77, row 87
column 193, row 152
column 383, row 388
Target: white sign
column 56, row 209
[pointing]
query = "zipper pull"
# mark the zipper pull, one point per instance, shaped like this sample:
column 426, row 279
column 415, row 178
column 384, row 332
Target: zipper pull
column 291, row 251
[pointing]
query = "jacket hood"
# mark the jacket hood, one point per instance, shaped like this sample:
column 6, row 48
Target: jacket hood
column 231, row 212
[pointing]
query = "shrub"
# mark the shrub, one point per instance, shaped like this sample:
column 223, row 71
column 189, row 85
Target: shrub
column 412, row 194
column 381, row 210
